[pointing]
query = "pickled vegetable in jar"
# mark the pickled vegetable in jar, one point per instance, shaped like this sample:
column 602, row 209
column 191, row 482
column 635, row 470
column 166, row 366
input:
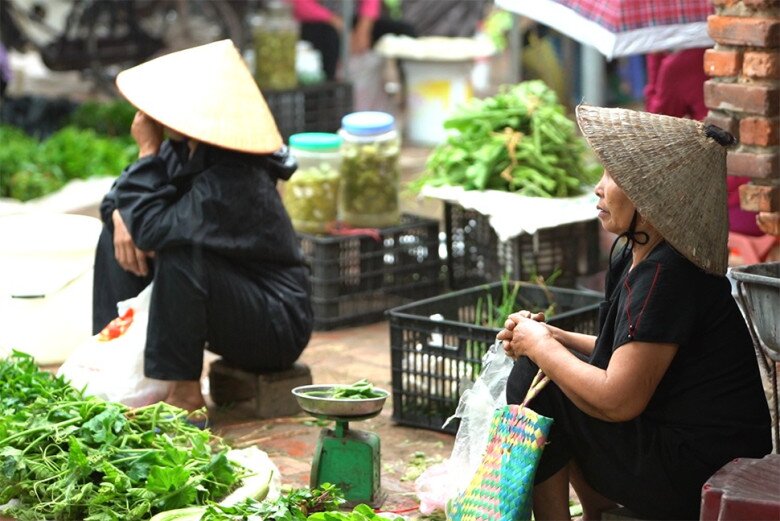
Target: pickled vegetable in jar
column 370, row 177
column 275, row 37
column 311, row 194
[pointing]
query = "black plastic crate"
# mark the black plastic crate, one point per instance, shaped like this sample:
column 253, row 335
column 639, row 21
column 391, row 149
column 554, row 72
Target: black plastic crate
column 357, row 278
column 476, row 256
column 310, row 108
column 434, row 361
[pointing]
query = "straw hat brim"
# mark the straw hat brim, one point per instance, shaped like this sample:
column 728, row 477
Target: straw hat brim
column 206, row 93
column 673, row 173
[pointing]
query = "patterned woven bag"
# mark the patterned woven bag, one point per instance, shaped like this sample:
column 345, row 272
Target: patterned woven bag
column 502, row 487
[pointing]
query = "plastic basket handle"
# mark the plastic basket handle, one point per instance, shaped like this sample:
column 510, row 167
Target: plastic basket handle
column 538, row 383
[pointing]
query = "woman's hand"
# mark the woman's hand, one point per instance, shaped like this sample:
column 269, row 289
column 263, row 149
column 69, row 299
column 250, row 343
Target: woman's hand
column 521, row 331
column 147, row 133
column 127, row 254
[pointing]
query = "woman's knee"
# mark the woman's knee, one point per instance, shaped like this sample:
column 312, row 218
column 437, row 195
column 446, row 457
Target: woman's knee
column 519, row 380
column 182, row 269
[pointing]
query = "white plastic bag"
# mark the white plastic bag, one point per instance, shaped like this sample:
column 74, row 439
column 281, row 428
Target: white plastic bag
column 111, row 364
column 439, row 483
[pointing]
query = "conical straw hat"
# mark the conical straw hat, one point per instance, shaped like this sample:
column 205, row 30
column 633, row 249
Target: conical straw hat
column 206, row 93
column 673, row 173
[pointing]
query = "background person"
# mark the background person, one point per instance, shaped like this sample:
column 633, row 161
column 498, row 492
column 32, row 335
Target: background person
column 669, row 391
column 322, row 25
column 199, row 215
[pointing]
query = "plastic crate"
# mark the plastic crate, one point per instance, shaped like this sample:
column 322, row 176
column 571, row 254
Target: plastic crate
column 433, row 360
column 357, row 278
column 476, row 256
column 310, row 108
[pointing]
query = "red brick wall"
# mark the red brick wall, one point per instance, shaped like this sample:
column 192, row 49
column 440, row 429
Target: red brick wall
column 743, row 96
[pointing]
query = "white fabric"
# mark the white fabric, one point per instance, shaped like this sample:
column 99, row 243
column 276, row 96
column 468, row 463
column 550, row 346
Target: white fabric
column 434, row 48
column 639, row 41
column 511, row 214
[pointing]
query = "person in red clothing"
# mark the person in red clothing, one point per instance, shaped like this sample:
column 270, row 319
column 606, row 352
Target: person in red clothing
column 321, row 25
column 675, row 87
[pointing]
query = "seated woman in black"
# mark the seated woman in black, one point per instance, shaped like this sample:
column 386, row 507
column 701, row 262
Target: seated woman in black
column 669, row 391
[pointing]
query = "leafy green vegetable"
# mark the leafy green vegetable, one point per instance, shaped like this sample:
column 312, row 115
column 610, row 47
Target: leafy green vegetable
column 65, row 456
column 30, row 169
column 493, row 314
column 18, row 152
column 519, row 140
column 112, row 118
column 360, row 390
column 296, row 505
column 83, row 154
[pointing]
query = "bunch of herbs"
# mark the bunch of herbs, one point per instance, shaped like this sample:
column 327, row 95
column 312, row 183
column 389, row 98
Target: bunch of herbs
column 66, row 456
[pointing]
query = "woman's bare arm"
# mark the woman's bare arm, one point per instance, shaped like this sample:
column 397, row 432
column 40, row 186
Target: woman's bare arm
column 579, row 342
column 618, row 393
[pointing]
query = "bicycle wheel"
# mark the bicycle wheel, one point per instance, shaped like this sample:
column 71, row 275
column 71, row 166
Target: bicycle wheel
column 188, row 23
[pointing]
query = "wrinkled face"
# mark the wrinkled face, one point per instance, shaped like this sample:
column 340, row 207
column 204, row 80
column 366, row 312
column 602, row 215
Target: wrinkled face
column 615, row 208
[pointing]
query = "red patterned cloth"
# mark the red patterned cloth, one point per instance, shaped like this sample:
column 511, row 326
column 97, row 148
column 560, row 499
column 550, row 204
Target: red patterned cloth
column 626, row 15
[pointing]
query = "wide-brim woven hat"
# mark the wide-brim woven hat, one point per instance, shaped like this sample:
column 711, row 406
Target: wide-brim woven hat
column 673, row 173
column 206, row 93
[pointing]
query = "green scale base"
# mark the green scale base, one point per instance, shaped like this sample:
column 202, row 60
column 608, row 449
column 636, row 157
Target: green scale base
column 350, row 460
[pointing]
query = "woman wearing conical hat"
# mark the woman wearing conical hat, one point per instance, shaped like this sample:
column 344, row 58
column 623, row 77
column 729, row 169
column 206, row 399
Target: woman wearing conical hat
column 669, row 391
column 199, row 215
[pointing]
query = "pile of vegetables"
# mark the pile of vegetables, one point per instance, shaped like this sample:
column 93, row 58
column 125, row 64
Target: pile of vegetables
column 519, row 140
column 111, row 118
column 67, row 456
column 360, row 390
column 96, row 143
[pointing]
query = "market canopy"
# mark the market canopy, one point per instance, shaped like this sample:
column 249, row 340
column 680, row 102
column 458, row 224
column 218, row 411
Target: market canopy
column 622, row 27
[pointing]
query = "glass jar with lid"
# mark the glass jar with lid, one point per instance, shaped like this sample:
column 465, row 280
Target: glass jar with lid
column 311, row 194
column 275, row 35
column 370, row 179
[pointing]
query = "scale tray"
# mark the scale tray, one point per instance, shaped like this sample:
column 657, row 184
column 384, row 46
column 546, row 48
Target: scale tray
column 338, row 408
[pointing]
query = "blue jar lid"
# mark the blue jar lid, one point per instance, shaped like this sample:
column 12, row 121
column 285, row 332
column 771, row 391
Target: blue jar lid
column 368, row 123
column 316, row 141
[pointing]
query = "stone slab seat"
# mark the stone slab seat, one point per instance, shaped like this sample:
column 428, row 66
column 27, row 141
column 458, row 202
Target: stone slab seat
column 270, row 392
column 743, row 489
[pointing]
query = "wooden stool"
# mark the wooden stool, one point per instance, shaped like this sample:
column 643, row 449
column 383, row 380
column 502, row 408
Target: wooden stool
column 271, row 392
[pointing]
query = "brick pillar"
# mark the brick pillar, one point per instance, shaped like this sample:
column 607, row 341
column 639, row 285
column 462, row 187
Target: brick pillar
column 743, row 96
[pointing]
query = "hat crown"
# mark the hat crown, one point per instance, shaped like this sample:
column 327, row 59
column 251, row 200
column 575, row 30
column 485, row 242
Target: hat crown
column 673, row 173
column 206, row 93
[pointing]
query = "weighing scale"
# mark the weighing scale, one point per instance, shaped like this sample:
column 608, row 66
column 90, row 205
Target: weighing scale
column 345, row 457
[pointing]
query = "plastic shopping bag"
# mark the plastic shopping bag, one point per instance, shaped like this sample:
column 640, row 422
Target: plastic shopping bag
column 111, row 364
column 439, row 483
